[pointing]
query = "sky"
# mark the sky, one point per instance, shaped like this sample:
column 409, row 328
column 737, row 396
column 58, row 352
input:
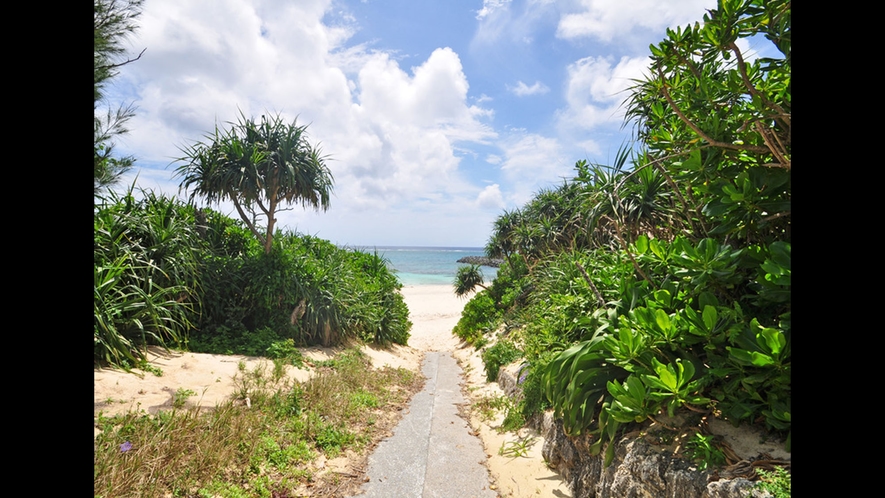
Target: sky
column 435, row 116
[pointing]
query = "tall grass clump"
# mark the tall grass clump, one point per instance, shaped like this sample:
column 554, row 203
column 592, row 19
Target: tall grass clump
column 146, row 275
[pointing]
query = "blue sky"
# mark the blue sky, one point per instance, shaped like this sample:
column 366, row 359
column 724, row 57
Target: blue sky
column 436, row 115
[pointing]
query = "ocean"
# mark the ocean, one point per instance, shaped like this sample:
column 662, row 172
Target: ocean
column 429, row 265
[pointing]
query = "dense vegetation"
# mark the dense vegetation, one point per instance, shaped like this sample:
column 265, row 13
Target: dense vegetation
column 661, row 283
column 168, row 273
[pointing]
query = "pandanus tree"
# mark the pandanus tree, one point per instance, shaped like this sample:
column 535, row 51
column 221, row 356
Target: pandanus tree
column 468, row 279
column 260, row 167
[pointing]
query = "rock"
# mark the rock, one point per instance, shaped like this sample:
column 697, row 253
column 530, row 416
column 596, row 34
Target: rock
column 481, row 260
column 638, row 469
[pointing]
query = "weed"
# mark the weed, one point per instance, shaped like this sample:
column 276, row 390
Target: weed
column 518, row 448
column 333, row 439
column 363, row 399
column 513, row 420
column 181, row 396
column 147, row 367
column 487, row 406
column 778, row 482
column 704, row 452
column 285, row 350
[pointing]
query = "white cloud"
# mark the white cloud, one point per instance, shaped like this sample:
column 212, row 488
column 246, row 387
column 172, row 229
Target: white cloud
column 531, row 162
column 595, row 90
column 491, row 6
column 490, row 198
column 521, row 89
column 604, row 19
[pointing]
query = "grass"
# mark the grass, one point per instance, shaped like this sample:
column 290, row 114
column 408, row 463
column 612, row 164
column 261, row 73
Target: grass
column 489, row 406
column 181, row 396
column 264, row 449
column 703, row 450
column 518, row 448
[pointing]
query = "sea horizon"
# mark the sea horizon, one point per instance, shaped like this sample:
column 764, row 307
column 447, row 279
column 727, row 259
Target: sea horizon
column 428, row 265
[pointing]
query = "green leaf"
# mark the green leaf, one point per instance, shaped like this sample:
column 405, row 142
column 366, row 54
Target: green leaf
column 754, row 358
column 658, row 249
column 711, row 316
column 641, row 244
column 774, row 339
column 662, row 320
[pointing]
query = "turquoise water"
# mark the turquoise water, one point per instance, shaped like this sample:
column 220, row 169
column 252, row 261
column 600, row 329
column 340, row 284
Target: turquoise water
column 429, row 265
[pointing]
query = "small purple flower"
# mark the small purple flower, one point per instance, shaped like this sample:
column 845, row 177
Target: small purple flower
column 125, row 447
column 523, row 373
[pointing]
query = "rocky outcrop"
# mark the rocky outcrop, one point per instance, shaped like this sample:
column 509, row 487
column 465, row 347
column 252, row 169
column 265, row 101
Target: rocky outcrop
column 641, row 467
column 638, row 470
column 481, row 260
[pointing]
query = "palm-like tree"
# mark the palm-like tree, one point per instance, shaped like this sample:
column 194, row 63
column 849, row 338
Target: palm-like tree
column 468, row 279
column 259, row 167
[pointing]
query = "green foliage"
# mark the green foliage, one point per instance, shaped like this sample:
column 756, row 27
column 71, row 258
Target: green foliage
column 332, row 439
column 168, row 274
column 665, row 284
column 286, row 350
column 703, row 450
column 467, row 279
column 478, row 317
column 306, row 289
column 181, row 396
column 778, row 482
column 495, row 357
column 529, row 378
column 145, row 275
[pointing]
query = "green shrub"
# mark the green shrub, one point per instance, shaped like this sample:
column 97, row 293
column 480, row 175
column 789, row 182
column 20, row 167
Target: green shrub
column 478, row 317
column 500, row 354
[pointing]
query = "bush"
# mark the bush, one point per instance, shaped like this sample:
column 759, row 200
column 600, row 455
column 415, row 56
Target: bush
column 478, row 317
column 502, row 353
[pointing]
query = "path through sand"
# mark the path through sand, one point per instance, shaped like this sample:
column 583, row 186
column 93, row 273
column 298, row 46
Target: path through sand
column 434, row 311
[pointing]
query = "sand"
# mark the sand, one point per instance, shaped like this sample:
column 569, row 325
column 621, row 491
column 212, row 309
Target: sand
column 434, row 311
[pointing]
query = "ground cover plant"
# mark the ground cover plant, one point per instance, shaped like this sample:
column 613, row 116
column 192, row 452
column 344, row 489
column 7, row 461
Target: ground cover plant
column 662, row 283
column 266, row 447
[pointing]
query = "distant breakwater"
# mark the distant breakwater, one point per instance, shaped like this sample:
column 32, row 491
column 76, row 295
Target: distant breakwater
column 481, row 260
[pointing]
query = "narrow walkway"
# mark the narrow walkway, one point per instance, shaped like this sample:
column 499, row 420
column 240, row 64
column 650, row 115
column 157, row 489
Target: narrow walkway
column 431, row 453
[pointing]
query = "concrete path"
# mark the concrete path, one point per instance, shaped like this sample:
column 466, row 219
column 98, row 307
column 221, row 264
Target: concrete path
column 431, row 452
